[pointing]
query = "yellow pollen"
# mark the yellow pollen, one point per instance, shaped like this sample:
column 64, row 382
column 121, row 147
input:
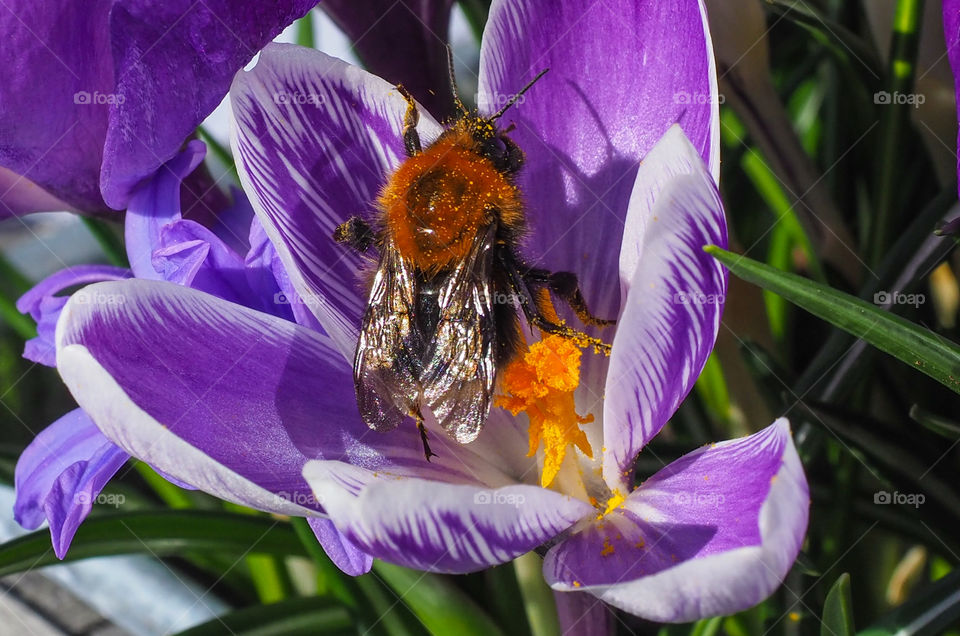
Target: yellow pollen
column 607, row 547
column 541, row 384
column 614, row 502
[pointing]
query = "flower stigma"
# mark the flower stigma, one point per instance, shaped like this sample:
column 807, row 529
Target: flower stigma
column 541, row 384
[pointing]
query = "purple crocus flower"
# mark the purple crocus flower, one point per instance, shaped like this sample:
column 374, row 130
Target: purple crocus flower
column 97, row 95
column 621, row 184
column 61, row 472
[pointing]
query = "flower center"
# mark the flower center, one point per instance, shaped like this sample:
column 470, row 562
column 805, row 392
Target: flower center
column 541, row 384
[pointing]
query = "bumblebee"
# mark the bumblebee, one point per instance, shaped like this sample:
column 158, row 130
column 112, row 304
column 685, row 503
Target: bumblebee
column 444, row 307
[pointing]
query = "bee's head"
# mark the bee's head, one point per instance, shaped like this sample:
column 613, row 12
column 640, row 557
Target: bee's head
column 491, row 141
column 494, row 144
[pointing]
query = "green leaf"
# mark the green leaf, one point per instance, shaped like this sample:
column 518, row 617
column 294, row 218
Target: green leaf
column 838, row 609
column 307, row 616
column 441, row 606
column 920, row 348
column 841, row 41
column 936, row 423
column 164, row 533
column 928, row 612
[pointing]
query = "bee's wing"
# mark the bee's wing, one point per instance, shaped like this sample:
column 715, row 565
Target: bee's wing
column 459, row 372
column 388, row 352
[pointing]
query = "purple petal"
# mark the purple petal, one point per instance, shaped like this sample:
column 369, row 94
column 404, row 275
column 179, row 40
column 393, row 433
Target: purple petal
column 44, row 306
column 174, row 62
column 403, row 42
column 674, row 298
column 61, row 473
column 155, row 204
column 53, row 131
column 314, row 140
column 346, row 556
column 191, row 255
column 230, row 400
column 621, row 73
column 19, row 195
column 583, row 614
column 951, row 33
column 439, row 527
column 713, row 533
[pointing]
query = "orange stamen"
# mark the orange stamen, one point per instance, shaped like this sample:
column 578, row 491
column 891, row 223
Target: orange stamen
column 541, row 384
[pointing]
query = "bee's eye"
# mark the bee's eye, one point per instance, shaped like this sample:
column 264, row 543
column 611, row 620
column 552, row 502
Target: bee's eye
column 505, row 155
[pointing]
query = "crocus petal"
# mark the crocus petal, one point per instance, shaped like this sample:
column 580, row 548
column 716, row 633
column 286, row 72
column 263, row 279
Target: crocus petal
column 19, row 195
column 60, row 474
column 403, row 42
column 53, row 129
column 439, row 527
column 174, row 63
column 713, row 533
column 190, row 254
column 951, row 33
column 346, row 556
column 583, row 614
column 44, row 306
column 227, row 399
column 314, row 140
column 674, row 297
column 97, row 99
column 621, row 73
column 155, row 204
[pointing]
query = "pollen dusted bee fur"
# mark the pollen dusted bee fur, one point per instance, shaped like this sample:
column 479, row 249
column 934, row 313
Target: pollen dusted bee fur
column 436, row 328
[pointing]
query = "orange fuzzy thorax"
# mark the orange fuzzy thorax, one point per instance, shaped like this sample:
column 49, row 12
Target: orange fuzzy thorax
column 436, row 202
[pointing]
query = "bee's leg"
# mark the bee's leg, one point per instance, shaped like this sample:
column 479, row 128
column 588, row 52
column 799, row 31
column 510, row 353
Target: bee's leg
column 356, row 233
column 566, row 286
column 418, row 416
column 535, row 315
column 411, row 139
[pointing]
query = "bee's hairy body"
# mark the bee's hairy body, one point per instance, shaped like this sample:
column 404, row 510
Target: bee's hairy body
column 444, row 306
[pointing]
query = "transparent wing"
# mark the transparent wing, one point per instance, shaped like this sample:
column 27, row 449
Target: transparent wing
column 388, row 355
column 460, row 365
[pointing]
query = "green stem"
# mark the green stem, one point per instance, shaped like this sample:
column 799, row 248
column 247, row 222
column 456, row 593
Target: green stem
column 330, row 580
column 109, row 242
column 172, row 495
column 13, row 276
column 537, row 596
column 895, row 118
column 305, row 34
column 21, row 324
column 268, row 572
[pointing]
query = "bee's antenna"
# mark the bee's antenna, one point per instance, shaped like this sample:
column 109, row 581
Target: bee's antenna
column 514, row 98
column 453, row 81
